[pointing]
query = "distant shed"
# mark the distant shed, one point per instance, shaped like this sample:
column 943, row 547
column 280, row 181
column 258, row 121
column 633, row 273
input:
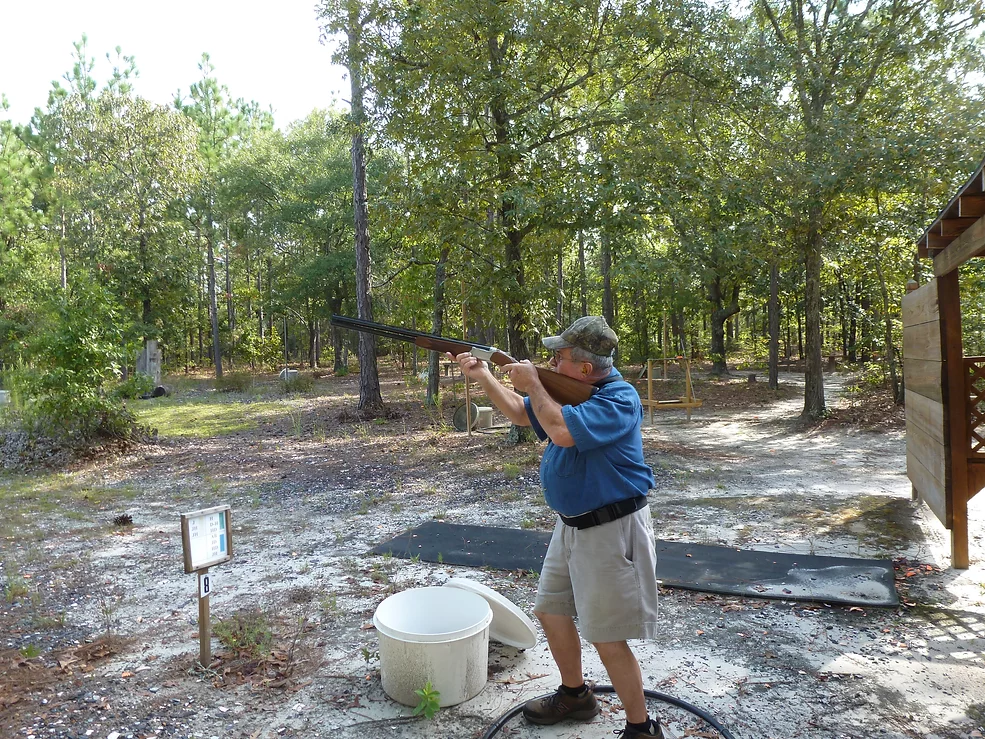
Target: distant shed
column 945, row 390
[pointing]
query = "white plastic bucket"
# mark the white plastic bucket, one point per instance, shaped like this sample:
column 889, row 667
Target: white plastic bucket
column 436, row 635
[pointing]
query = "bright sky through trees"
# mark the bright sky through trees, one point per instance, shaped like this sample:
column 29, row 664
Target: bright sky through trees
column 264, row 51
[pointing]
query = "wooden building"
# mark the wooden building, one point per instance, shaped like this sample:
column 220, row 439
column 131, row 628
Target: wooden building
column 945, row 390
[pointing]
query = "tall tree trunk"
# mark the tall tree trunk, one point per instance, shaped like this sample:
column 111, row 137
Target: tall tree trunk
column 774, row 325
column 814, row 407
column 62, row 258
column 559, row 313
column 199, row 302
column 865, row 330
column 369, row 379
column 270, row 296
column 145, row 313
column 582, row 276
column 853, row 326
column 608, row 304
column 843, row 312
column 312, row 326
column 213, row 307
column 437, row 324
column 887, row 325
column 719, row 315
column 413, row 356
column 800, row 327
column 230, row 311
column 505, row 151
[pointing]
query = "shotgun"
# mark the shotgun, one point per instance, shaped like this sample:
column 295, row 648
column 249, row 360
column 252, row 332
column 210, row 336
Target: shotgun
column 565, row 390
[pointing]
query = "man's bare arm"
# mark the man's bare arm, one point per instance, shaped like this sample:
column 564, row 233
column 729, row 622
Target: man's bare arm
column 509, row 403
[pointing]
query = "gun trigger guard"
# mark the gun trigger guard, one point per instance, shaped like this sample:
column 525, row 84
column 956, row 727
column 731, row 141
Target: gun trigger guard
column 483, row 354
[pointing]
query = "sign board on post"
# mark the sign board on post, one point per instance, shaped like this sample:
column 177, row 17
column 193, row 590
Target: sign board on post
column 205, row 540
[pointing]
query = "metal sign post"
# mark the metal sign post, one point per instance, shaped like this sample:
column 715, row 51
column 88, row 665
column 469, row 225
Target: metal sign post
column 206, row 540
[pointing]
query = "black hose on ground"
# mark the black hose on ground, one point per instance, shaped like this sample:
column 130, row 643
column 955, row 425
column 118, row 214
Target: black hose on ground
column 703, row 715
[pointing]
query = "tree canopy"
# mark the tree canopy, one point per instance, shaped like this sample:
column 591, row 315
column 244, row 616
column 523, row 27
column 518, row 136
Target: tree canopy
column 715, row 169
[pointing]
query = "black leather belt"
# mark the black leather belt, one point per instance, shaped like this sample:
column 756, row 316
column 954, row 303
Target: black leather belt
column 606, row 513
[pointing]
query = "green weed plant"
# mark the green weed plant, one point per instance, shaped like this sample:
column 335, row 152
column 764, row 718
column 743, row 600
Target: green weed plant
column 429, row 704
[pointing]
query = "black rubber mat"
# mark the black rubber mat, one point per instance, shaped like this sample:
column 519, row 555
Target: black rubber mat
column 711, row 569
column 472, row 546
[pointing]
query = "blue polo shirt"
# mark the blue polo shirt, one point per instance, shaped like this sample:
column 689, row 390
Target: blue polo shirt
column 606, row 463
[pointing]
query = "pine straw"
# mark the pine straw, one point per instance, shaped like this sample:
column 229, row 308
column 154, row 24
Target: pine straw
column 870, row 410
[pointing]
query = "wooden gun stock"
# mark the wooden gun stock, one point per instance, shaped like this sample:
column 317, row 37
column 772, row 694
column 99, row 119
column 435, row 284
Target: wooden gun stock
column 565, row 390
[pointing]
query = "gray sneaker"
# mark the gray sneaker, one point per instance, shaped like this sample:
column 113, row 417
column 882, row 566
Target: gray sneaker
column 559, row 706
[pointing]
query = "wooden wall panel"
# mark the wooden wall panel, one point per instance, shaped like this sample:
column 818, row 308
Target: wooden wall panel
column 931, row 452
column 925, row 377
column 921, row 305
column 926, row 414
column 922, row 341
column 929, row 488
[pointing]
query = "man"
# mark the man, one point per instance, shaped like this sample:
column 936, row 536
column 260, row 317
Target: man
column 600, row 565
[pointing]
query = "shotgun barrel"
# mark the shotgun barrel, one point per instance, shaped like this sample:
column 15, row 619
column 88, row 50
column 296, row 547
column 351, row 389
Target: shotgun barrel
column 565, row 390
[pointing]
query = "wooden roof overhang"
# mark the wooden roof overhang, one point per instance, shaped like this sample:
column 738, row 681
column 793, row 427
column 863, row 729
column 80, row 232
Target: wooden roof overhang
column 958, row 232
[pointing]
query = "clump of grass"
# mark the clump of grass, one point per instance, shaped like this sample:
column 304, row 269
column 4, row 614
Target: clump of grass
column 298, row 384
column 248, row 633
column 297, row 421
column 16, row 588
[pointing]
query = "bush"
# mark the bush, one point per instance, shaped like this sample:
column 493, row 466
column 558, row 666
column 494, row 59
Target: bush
column 236, row 382
column 61, row 392
column 133, row 387
column 266, row 353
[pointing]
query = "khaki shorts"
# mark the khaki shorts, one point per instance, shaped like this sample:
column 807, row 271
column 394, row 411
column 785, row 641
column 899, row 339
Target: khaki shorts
column 605, row 576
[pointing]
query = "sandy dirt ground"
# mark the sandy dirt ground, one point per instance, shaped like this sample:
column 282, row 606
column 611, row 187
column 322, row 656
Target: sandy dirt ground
column 100, row 632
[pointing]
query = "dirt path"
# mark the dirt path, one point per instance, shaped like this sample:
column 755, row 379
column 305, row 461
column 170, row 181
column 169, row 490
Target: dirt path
column 311, row 495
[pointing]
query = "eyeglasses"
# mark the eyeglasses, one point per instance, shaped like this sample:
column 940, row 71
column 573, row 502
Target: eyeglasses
column 558, row 358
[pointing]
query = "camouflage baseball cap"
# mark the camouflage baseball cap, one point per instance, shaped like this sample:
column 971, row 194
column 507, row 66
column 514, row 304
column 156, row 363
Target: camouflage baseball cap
column 590, row 333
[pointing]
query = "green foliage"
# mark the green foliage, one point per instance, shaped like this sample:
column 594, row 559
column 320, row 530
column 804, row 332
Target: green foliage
column 248, row 633
column 429, row 701
column 650, row 160
column 73, row 359
column 133, row 387
column 30, row 651
column 265, row 353
column 868, row 376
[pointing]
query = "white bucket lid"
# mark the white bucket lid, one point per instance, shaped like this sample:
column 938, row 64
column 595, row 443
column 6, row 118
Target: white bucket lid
column 432, row 614
column 509, row 624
